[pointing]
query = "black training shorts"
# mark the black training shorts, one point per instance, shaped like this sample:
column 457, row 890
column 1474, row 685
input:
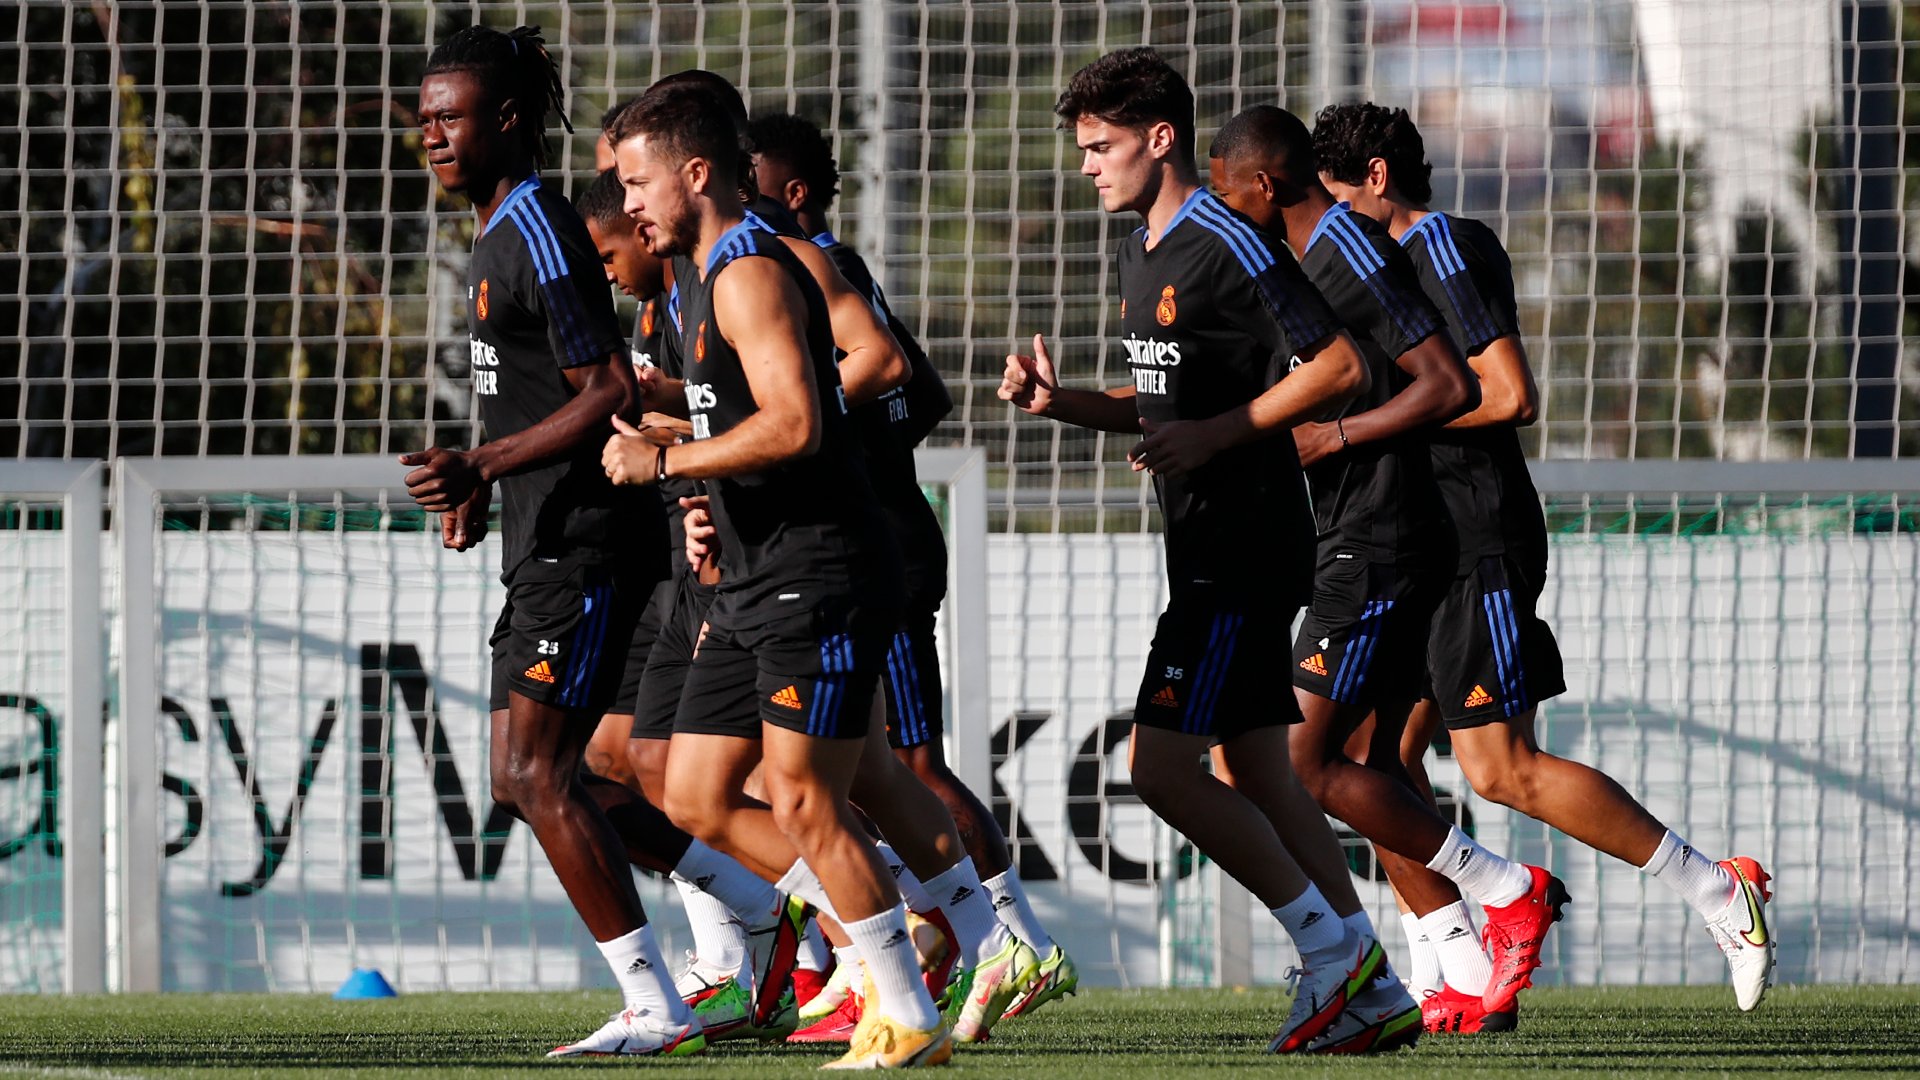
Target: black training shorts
column 813, row 670
column 664, row 674
column 913, row 681
column 1364, row 638
column 1210, row 671
column 563, row 635
column 1489, row 657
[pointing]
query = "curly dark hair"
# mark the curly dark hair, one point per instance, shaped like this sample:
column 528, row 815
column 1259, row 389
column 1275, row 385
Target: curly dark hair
column 1133, row 88
column 514, row 65
column 1346, row 137
column 799, row 142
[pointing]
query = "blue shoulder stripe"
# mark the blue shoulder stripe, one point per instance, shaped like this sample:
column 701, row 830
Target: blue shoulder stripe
column 1462, row 291
column 1414, row 323
column 1353, row 243
column 1248, row 245
column 514, row 197
column 542, row 270
column 1446, row 253
column 727, row 241
column 1255, row 254
column 563, row 301
column 543, row 238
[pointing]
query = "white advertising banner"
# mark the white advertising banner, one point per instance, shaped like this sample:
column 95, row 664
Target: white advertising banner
column 327, row 807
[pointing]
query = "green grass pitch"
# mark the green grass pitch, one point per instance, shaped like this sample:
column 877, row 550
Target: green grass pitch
column 1657, row 1031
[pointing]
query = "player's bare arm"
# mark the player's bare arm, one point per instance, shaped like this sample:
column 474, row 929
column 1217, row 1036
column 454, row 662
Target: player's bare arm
column 1442, row 389
column 1508, row 397
column 1033, row 386
column 874, row 362
column 1331, row 373
column 756, row 308
column 444, row 479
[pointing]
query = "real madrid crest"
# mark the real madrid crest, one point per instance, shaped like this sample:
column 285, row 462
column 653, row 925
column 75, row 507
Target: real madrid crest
column 480, row 302
column 700, row 342
column 1164, row 310
column 646, row 319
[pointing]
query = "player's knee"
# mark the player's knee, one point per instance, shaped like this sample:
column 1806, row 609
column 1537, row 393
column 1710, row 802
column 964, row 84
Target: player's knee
column 502, row 782
column 647, row 760
column 1505, row 781
column 1314, row 775
column 531, row 783
column 803, row 811
column 696, row 809
column 1159, row 780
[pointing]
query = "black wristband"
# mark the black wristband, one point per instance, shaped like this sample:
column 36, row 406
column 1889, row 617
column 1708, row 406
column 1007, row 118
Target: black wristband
column 1339, row 428
column 660, row 465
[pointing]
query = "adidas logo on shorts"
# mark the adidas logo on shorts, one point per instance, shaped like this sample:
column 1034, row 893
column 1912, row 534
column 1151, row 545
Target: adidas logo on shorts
column 1478, row 698
column 1166, row 699
column 540, row 672
column 787, row 698
column 1315, row 664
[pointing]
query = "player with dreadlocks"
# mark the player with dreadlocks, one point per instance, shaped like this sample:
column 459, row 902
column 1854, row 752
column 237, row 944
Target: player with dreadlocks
column 550, row 369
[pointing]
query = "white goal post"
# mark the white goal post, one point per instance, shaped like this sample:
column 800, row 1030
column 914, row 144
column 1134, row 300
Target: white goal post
column 75, row 486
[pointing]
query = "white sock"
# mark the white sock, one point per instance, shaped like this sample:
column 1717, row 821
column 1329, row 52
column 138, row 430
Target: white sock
column 968, row 908
column 642, row 974
column 1010, row 906
column 848, row 954
column 755, row 902
column 719, row 937
column 1488, row 878
column 1699, row 880
column 1361, row 923
column 894, row 967
column 1425, row 977
column 801, row 881
column 911, row 890
column 1463, row 960
column 1316, row 931
column 814, row 951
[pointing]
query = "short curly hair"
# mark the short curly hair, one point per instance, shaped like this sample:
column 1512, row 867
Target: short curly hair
column 800, row 143
column 1346, row 137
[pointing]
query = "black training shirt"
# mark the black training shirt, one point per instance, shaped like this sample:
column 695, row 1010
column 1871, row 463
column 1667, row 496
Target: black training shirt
column 1376, row 501
column 537, row 304
column 889, row 430
column 806, row 529
column 1210, row 315
column 1481, row 471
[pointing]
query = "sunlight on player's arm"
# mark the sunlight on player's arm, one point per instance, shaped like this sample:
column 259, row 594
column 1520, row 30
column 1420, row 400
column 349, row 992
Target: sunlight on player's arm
column 1508, row 397
column 1031, row 385
column 1442, row 389
column 758, row 309
column 1331, row 371
column 874, row 362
